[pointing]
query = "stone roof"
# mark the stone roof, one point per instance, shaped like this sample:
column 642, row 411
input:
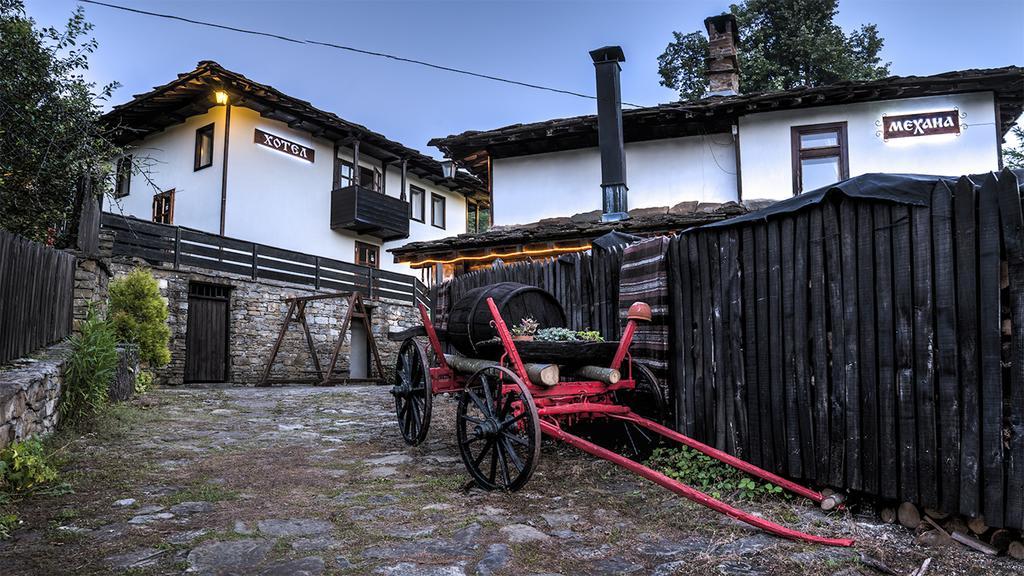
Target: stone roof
column 191, row 93
column 579, row 227
column 714, row 114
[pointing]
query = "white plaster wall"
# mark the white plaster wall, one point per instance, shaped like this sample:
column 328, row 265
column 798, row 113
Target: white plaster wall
column 658, row 173
column 765, row 147
column 273, row 198
column 166, row 160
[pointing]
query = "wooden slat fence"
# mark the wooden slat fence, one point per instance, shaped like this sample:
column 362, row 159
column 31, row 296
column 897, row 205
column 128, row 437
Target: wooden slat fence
column 36, row 295
column 585, row 283
column 175, row 246
column 866, row 344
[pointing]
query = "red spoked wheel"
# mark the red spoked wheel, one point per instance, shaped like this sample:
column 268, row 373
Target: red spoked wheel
column 498, row 429
column 412, row 392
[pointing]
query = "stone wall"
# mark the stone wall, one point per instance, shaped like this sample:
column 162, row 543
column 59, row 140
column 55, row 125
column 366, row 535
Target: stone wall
column 29, row 394
column 257, row 310
column 92, row 276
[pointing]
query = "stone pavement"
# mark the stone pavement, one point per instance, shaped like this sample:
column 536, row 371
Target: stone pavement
column 309, row 481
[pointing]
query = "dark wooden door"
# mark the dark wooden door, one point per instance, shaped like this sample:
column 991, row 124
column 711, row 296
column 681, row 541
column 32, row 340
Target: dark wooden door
column 206, row 339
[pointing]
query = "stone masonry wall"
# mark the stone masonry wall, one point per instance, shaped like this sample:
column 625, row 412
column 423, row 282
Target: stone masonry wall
column 29, row 393
column 92, row 276
column 257, row 310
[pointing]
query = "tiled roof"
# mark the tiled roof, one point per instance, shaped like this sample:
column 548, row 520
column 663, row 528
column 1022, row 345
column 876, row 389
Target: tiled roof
column 192, row 93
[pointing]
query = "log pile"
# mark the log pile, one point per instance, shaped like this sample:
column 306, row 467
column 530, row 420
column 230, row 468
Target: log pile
column 936, row 528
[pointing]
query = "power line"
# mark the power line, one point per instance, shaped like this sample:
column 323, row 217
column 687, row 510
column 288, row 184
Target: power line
column 348, row 49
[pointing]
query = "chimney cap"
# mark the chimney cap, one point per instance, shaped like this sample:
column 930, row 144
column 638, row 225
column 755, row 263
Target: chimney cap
column 608, row 54
column 719, row 22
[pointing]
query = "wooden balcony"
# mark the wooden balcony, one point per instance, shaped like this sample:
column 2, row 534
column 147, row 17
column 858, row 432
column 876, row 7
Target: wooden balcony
column 362, row 210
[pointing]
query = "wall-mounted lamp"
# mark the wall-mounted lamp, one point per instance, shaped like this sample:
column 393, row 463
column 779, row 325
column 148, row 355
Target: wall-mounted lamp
column 221, row 97
column 448, row 169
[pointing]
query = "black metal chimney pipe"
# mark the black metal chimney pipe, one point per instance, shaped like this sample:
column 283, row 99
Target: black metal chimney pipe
column 609, row 133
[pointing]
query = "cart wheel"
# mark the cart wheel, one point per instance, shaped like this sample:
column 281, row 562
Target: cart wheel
column 412, row 392
column 645, row 399
column 498, row 429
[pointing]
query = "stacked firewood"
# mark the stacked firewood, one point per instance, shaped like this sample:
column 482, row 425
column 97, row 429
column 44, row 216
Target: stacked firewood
column 935, row 528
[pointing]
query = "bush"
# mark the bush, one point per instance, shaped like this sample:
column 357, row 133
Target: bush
column 143, row 380
column 89, row 370
column 139, row 316
column 708, row 475
column 25, row 465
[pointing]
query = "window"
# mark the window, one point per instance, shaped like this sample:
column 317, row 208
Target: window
column 369, row 178
column 477, row 217
column 819, row 156
column 367, row 255
column 163, row 207
column 123, row 185
column 437, row 210
column 417, row 206
column 204, row 147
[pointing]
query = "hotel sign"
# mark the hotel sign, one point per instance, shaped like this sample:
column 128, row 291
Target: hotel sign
column 923, row 124
column 286, row 146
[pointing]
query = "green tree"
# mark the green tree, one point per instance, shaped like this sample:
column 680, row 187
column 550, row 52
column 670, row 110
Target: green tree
column 139, row 316
column 49, row 134
column 783, row 44
column 1013, row 156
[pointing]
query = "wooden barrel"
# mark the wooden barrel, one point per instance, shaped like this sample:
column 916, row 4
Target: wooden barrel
column 469, row 320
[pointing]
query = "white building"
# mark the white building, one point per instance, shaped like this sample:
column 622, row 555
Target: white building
column 736, row 147
column 215, row 151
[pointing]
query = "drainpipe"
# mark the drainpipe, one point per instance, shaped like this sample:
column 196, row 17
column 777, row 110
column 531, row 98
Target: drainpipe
column 224, row 167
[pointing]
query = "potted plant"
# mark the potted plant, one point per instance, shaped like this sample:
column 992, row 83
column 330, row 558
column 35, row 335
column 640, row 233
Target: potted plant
column 526, row 328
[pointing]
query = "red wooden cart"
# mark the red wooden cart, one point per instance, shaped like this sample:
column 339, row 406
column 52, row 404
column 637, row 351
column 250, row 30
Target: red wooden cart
column 501, row 416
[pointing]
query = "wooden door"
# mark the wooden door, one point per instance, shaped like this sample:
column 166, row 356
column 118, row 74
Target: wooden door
column 206, row 339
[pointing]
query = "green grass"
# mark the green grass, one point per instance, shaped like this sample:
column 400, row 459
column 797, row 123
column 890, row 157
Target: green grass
column 207, row 492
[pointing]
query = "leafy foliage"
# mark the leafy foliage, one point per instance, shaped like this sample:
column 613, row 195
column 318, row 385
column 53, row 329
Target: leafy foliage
column 89, row 369
column 555, row 335
column 590, row 336
column 48, row 122
column 1013, row 156
column 709, row 475
column 527, row 327
column 25, row 465
column 782, row 44
column 143, row 381
column 7, row 524
column 139, row 316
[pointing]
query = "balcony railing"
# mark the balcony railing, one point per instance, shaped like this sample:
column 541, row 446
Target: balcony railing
column 362, row 210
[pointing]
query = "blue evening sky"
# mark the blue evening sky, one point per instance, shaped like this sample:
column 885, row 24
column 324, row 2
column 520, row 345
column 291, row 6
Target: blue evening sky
column 532, row 41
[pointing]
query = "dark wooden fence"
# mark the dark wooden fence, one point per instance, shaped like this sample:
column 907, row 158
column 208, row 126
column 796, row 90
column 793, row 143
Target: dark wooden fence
column 585, row 283
column 36, row 295
column 175, row 246
column 870, row 343
column 867, row 344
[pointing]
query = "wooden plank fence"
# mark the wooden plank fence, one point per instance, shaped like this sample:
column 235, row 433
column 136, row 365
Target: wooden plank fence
column 175, row 246
column 36, row 295
column 869, row 344
column 881, row 345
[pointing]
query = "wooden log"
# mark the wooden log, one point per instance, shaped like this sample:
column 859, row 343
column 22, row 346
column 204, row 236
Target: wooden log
column 832, row 501
column 601, row 374
column 956, row 524
column 936, row 514
column 933, row 539
column 977, row 525
column 1000, row 539
column 540, row 374
column 888, row 515
column 972, row 542
column 1016, row 550
column 908, row 515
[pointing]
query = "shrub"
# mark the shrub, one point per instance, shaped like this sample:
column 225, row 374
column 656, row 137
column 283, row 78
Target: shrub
column 590, row 336
column 25, row 465
column 709, row 475
column 143, row 380
column 139, row 316
column 89, row 369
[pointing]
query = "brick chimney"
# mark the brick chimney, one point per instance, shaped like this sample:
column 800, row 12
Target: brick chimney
column 723, row 68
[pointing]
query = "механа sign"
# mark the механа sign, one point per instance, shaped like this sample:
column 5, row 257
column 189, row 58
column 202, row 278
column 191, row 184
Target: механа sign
column 921, row 124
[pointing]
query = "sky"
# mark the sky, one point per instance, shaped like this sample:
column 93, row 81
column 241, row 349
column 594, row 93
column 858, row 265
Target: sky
column 540, row 42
